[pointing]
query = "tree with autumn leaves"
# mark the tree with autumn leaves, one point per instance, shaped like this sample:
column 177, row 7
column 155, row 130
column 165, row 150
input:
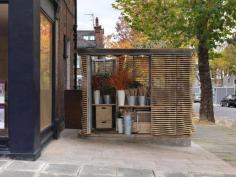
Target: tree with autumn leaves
column 224, row 63
column 200, row 24
column 127, row 37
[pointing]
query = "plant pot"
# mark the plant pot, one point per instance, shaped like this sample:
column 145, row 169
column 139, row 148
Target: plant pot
column 142, row 100
column 131, row 100
column 120, row 126
column 96, row 95
column 128, row 124
column 107, row 99
column 121, row 97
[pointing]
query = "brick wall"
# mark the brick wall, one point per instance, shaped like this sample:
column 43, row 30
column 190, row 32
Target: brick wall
column 66, row 22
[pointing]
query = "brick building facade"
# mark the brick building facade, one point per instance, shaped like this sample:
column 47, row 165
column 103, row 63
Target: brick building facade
column 67, row 33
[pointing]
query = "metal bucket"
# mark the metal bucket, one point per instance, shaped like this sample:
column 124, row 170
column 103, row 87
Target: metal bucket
column 142, row 100
column 120, row 125
column 107, row 99
column 128, row 124
column 131, row 100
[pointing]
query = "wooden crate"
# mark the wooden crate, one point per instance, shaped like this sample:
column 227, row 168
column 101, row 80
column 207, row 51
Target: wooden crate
column 142, row 124
column 142, row 127
column 143, row 116
column 103, row 117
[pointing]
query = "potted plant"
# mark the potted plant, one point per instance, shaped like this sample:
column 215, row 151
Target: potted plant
column 142, row 96
column 96, row 83
column 106, row 88
column 119, row 81
column 131, row 96
column 132, row 92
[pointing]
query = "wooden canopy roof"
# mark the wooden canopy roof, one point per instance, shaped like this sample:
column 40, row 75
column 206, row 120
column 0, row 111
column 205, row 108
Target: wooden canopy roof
column 134, row 52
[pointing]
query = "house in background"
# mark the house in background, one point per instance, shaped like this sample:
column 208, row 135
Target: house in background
column 89, row 39
column 221, row 88
column 37, row 55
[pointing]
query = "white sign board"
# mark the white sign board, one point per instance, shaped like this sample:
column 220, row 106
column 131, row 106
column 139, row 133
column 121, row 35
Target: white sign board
column 2, row 93
column 2, row 118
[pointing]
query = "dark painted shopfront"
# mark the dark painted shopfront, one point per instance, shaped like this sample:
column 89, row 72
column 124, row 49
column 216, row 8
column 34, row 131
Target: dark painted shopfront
column 37, row 54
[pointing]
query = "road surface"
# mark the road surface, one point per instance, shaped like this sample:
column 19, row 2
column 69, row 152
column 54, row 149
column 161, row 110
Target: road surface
column 222, row 114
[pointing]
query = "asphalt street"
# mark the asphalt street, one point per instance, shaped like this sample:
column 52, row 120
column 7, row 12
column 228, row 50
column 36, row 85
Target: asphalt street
column 221, row 113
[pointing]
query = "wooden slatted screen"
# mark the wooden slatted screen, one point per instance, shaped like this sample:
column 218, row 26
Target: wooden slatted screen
column 140, row 66
column 171, row 94
column 85, row 95
column 142, row 70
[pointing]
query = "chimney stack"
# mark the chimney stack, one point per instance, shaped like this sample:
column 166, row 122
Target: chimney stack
column 99, row 33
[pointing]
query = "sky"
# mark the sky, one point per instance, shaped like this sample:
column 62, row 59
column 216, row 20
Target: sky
column 101, row 9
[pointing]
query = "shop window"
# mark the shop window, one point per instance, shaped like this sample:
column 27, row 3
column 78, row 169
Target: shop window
column 3, row 68
column 45, row 72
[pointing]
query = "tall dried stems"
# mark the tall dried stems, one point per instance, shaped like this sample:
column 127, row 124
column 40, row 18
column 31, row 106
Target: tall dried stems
column 120, row 79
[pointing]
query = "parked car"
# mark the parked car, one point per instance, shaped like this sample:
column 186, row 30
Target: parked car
column 229, row 101
column 197, row 98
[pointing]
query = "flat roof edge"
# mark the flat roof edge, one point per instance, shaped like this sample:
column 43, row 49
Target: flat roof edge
column 117, row 52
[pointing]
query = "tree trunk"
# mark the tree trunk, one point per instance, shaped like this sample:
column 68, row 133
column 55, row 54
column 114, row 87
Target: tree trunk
column 206, row 107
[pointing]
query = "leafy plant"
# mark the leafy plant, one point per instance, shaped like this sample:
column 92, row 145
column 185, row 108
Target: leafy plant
column 107, row 88
column 120, row 79
column 134, row 84
column 119, row 114
column 96, row 82
column 202, row 24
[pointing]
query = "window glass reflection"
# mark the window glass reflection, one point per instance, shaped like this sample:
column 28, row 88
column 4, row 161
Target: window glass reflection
column 45, row 72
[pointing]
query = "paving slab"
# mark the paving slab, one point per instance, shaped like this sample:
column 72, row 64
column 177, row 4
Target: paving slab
column 93, row 175
column 17, row 174
column 2, row 163
column 178, row 175
column 207, row 175
column 218, row 140
column 25, row 166
column 62, row 169
column 126, row 172
column 53, row 175
column 89, row 170
column 70, row 149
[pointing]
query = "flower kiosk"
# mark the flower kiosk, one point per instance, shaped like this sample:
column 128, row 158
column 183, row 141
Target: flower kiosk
column 137, row 93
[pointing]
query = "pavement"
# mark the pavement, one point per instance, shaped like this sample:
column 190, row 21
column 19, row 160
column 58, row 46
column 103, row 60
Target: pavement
column 71, row 156
column 223, row 115
column 218, row 140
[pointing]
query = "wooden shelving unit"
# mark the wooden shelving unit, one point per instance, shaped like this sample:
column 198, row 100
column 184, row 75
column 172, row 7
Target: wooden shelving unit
column 135, row 106
column 103, row 104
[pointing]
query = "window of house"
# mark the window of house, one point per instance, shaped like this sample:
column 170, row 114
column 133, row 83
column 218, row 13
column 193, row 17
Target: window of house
column 89, row 38
column 92, row 38
column 45, row 72
column 3, row 68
